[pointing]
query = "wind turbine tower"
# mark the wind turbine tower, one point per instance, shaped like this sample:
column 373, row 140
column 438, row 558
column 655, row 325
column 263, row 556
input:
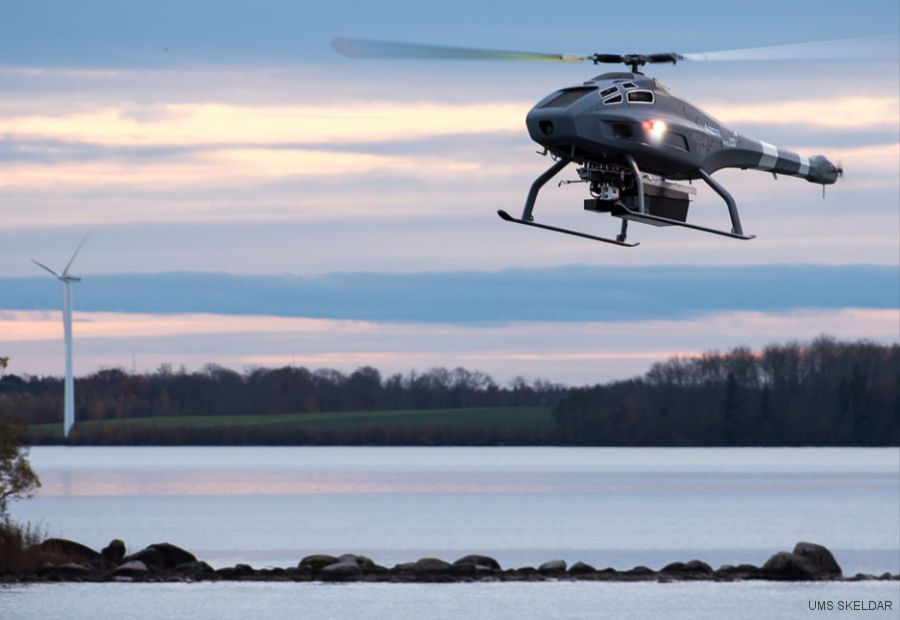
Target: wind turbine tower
column 66, row 279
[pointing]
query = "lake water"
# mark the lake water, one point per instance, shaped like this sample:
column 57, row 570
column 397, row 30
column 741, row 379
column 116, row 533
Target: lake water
column 523, row 506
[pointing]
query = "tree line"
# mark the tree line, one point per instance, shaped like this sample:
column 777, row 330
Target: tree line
column 113, row 394
column 823, row 392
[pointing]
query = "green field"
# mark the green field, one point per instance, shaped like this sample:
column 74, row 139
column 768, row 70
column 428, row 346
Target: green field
column 343, row 424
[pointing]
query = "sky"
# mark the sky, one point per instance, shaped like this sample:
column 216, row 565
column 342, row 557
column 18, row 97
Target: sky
column 252, row 198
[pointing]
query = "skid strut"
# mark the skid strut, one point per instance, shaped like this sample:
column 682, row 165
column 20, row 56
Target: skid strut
column 539, row 183
column 736, row 229
column 644, row 216
column 528, row 219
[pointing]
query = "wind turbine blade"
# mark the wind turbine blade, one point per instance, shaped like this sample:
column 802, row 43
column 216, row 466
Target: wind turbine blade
column 55, row 275
column 71, row 260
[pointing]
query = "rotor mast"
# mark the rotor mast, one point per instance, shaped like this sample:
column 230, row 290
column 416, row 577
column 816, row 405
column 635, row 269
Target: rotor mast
column 635, row 60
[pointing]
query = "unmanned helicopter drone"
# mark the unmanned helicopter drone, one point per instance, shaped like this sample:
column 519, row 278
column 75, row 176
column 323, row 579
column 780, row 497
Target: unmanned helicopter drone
column 631, row 139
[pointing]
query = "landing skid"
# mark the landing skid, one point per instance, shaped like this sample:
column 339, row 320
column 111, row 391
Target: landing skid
column 641, row 215
column 506, row 216
column 620, row 210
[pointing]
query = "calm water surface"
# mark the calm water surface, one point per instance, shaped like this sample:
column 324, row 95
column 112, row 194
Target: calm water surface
column 494, row 601
column 608, row 507
column 524, row 506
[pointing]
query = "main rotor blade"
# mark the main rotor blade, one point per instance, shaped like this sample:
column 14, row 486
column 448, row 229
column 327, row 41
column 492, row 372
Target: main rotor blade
column 77, row 250
column 369, row 48
column 838, row 49
column 55, row 275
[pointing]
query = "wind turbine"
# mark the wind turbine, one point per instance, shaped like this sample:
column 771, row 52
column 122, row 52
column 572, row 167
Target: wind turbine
column 66, row 279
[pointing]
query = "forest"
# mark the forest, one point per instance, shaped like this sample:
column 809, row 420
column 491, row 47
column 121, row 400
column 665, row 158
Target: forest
column 823, row 393
column 113, row 394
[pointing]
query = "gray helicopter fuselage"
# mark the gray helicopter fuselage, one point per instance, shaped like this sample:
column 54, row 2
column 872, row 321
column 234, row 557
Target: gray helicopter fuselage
column 619, row 114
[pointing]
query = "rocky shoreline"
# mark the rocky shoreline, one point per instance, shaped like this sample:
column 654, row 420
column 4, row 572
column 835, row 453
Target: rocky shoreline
column 66, row 560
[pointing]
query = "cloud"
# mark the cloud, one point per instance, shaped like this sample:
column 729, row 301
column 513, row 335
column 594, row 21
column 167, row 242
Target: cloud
column 849, row 113
column 221, row 167
column 570, row 293
column 221, row 123
column 575, row 324
column 18, row 326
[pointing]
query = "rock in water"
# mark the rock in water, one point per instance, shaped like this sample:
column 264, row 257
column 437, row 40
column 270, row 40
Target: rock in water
column 195, row 568
column 819, row 559
column 360, row 560
column 317, row 561
column 61, row 550
column 482, row 561
column 134, row 568
column 423, row 565
column 345, row 568
column 474, row 566
column 553, row 567
column 673, row 567
column 581, row 568
column 808, row 562
column 165, row 556
column 114, row 551
column 697, row 567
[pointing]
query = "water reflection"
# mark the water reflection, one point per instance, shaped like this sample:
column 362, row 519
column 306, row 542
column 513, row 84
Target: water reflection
column 282, row 483
column 126, row 483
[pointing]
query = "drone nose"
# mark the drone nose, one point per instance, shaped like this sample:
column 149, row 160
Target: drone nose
column 546, row 127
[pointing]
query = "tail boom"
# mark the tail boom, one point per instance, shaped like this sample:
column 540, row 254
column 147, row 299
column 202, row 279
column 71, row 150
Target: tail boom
column 759, row 155
column 815, row 169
